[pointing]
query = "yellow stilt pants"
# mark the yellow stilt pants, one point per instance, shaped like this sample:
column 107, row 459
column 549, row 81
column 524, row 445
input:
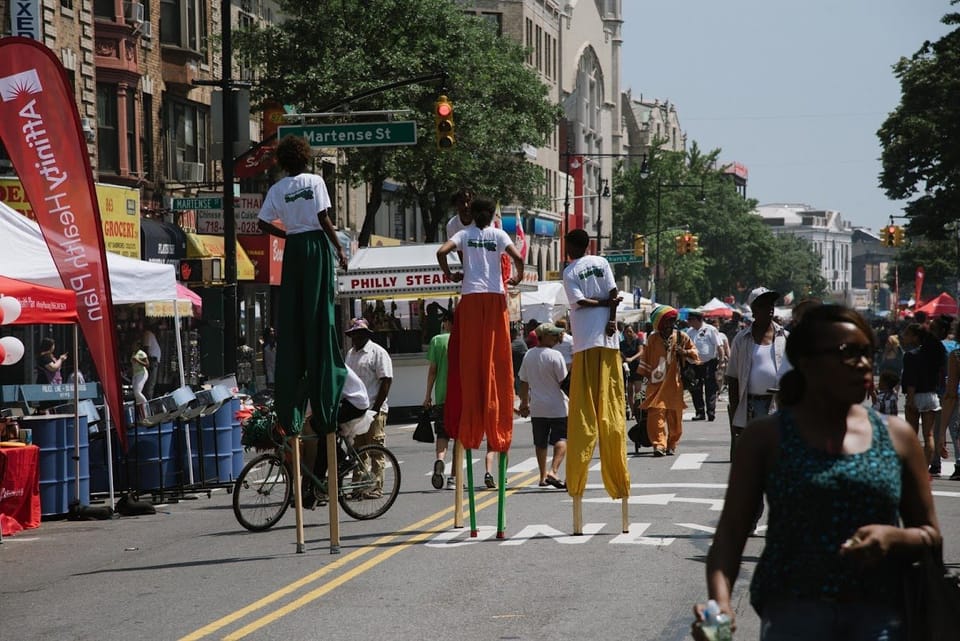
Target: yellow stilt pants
column 597, row 411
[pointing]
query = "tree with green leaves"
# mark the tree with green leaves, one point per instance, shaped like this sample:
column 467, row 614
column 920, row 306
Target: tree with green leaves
column 939, row 259
column 921, row 137
column 737, row 251
column 331, row 49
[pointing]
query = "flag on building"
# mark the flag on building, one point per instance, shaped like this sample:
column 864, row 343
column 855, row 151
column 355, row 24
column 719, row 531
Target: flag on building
column 521, row 238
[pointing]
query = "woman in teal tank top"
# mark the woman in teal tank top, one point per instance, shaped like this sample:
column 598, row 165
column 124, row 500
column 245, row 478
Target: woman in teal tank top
column 848, row 490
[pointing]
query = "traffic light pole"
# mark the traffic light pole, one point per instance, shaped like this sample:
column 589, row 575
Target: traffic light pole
column 656, row 268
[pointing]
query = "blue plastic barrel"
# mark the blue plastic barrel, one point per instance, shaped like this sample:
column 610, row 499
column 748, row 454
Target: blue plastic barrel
column 151, row 455
column 54, row 435
column 216, row 444
column 236, row 437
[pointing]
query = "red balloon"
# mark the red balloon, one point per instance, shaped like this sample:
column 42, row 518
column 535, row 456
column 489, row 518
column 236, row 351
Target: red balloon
column 3, row 352
column 1, row 321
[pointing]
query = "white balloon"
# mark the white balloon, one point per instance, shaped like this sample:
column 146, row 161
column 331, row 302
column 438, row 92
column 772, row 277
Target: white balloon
column 14, row 349
column 11, row 309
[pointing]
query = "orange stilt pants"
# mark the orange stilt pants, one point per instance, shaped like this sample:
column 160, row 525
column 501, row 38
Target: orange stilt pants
column 480, row 374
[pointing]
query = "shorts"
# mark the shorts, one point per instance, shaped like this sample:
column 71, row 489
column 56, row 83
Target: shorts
column 548, row 431
column 927, row 402
column 436, row 413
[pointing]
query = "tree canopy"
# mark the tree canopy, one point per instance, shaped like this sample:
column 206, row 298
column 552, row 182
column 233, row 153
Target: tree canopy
column 737, row 251
column 921, row 137
column 331, row 49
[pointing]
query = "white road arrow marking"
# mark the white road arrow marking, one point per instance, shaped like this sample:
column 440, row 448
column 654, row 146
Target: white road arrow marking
column 545, row 531
column 660, row 499
column 689, row 461
column 449, row 539
column 635, row 536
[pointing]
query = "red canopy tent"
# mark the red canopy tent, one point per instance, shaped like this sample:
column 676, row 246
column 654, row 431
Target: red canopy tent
column 942, row 305
column 719, row 312
column 39, row 304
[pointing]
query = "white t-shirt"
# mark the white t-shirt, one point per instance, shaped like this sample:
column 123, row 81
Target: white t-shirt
column 707, row 340
column 371, row 363
column 296, row 201
column 454, row 225
column 763, row 374
column 589, row 277
column 565, row 347
column 354, row 391
column 543, row 370
column 481, row 249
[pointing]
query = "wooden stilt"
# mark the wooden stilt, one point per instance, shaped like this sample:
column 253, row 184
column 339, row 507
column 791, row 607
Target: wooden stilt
column 577, row 515
column 297, row 496
column 333, row 491
column 458, row 479
column 625, row 515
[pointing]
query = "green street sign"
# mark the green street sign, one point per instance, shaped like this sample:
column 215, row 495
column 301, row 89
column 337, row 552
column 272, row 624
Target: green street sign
column 360, row 134
column 183, row 204
column 623, row 259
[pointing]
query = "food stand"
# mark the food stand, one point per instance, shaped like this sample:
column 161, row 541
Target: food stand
column 404, row 280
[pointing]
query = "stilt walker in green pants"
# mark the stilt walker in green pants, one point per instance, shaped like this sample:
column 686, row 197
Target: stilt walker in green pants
column 309, row 364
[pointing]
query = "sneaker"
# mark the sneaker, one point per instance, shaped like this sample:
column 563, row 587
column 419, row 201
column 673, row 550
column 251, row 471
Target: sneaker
column 489, row 482
column 934, row 470
column 699, row 417
column 658, row 452
column 437, row 478
column 956, row 474
column 451, row 483
column 671, row 451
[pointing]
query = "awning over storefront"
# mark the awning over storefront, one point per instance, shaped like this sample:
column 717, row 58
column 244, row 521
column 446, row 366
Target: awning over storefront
column 207, row 246
column 162, row 242
column 266, row 253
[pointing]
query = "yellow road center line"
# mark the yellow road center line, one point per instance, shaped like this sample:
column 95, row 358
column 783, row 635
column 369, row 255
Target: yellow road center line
column 518, row 482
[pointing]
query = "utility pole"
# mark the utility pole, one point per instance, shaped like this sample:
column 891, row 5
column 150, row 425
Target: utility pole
column 230, row 306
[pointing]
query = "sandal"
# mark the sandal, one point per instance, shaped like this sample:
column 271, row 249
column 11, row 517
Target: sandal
column 557, row 483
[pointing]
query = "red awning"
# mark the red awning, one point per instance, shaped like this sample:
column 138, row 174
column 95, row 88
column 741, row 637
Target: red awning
column 942, row 305
column 39, row 304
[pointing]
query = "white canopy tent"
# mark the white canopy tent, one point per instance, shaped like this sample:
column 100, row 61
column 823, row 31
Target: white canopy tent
column 547, row 303
column 713, row 303
column 26, row 257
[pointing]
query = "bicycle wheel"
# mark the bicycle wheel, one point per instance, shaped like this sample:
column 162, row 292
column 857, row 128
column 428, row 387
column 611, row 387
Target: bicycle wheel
column 362, row 496
column 262, row 492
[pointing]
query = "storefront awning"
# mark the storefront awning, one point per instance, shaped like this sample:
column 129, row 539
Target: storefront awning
column 208, row 246
column 162, row 242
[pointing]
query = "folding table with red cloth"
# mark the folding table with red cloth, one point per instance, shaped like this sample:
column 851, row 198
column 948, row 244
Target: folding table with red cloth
column 19, row 488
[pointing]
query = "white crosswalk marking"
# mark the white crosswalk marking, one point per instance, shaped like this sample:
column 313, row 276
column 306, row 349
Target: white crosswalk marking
column 689, row 461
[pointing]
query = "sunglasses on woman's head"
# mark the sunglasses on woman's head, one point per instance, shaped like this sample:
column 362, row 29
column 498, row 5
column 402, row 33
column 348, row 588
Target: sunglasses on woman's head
column 849, row 353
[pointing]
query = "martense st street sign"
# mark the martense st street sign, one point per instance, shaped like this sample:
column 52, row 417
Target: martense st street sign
column 360, row 134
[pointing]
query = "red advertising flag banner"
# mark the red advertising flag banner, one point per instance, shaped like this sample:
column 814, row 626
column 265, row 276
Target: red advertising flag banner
column 40, row 128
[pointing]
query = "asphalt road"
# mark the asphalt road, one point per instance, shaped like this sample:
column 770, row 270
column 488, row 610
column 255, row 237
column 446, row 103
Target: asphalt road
column 191, row 572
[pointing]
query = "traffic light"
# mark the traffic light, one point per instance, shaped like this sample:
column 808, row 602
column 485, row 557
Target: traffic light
column 639, row 245
column 691, row 242
column 888, row 237
column 898, row 236
column 681, row 244
column 443, row 117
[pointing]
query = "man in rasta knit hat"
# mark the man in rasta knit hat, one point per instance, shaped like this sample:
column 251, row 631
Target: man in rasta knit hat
column 663, row 355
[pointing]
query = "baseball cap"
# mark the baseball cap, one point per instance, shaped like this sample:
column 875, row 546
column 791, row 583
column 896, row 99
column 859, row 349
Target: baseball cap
column 761, row 291
column 358, row 325
column 547, row 328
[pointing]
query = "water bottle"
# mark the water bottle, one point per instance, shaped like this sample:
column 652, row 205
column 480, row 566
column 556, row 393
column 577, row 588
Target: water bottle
column 716, row 624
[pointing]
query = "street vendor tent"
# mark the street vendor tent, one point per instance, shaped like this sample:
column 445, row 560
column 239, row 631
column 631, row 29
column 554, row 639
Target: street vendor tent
column 40, row 305
column 548, row 303
column 716, row 308
column 25, row 257
column 942, row 305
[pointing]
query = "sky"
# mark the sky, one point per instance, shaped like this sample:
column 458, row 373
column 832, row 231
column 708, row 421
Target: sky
column 794, row 90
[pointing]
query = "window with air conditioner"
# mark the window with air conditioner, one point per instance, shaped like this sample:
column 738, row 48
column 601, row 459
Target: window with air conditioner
column 187, row 125
column 133, row 12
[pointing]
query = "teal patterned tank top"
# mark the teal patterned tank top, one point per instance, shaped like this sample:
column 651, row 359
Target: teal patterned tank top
column 817, row 501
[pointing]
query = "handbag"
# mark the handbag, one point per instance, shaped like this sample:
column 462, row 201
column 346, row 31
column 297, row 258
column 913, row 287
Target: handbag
column 424, row 431
column 688, row 373
column 931, row 598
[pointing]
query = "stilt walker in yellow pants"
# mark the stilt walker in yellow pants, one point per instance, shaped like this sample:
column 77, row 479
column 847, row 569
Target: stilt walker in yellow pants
column 309, row 364
column 596, row 382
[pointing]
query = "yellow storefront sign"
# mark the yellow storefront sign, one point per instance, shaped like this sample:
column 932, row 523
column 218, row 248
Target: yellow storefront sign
column 120, row 217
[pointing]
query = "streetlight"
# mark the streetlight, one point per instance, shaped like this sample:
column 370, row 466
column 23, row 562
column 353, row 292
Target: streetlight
column 603, row 191
column 656, row 268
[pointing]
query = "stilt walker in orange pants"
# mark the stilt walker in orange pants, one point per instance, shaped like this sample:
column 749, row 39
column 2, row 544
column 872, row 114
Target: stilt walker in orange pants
column 480, row 363
column 596, row 380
